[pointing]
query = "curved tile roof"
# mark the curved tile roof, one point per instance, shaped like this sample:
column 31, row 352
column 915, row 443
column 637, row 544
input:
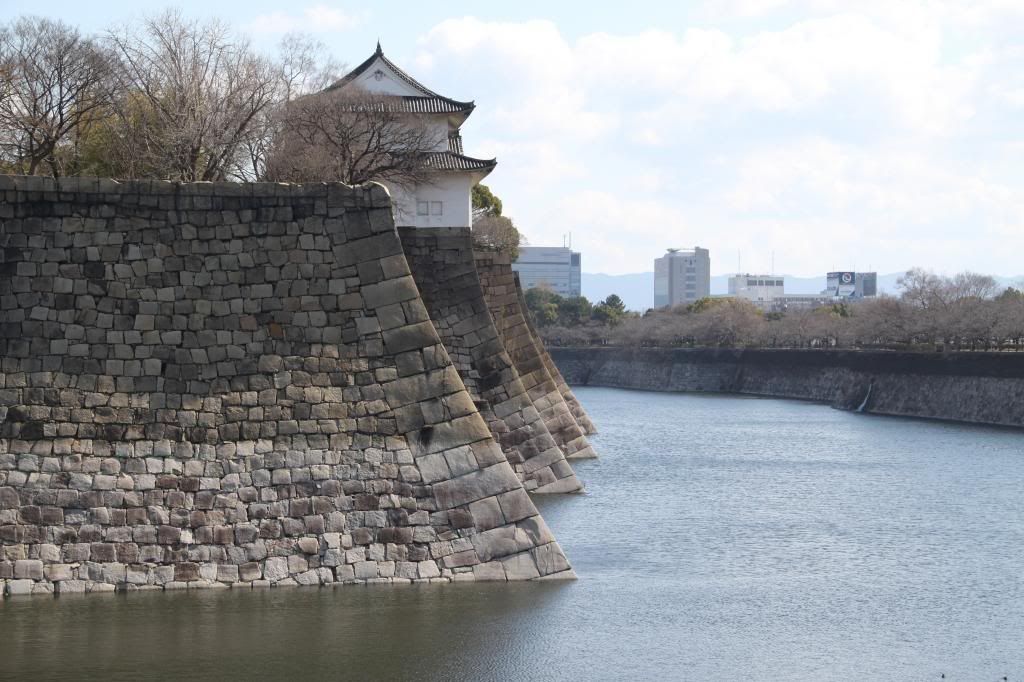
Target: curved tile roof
column 429, row 102
column 450, row 161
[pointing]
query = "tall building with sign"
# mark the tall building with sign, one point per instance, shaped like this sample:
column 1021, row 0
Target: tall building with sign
column 851, row 285
column 682, row 277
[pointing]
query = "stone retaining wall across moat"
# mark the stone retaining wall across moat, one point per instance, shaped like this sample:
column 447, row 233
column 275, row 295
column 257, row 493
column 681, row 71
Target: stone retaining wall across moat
column 981, row 388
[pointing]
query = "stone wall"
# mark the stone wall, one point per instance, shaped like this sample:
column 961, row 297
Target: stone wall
column 502, row 296
column 571, row 401
column 982, row 388
column 442, row 265
column 221, row 384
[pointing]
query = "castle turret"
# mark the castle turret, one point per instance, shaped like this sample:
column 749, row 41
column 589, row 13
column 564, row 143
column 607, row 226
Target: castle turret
column 444, row 201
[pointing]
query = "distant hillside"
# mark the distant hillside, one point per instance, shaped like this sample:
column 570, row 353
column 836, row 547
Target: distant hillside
column 637, row 289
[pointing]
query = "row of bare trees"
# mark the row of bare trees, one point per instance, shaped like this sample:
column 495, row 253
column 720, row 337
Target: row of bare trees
column 173, row 98
column 964, row 312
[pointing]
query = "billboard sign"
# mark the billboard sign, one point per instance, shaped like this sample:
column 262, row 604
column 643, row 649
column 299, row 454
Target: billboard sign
column 842, row 283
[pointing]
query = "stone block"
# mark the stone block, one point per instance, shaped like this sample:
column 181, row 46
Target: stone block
column 114, row 573
column 186, row 572
column 433, row 468
column 227, row 573
column 500, row 542
column 71, row 587
column 486, row 514
column 275, row 568
column 550, row 559
column 249, row 572
column 428, row 569
column 138, row 574
column 29, row 569
column 17, row 588
column 365, row 569
column 490, row 571
column 520, row 567
column 475, row 486
column 58, row 572
column 308, row 578
column 516, row 505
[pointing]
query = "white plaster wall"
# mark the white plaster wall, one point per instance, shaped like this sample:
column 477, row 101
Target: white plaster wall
column 389, row 84
column 453, row 190
column 437, row 127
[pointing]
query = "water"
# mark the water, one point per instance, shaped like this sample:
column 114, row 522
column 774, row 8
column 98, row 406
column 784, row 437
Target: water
column 723, row 538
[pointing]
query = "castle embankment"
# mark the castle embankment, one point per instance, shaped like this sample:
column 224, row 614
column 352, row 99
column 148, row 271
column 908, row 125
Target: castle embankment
column 239, row 385
column 501, row 292
column 443, row 266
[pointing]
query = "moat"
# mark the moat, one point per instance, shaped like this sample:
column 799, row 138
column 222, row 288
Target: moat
column 721, row 538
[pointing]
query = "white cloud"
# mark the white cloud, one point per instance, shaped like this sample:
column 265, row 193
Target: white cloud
column 905, row 185
column 882, row 135
column 314, row 19
column 909, row 203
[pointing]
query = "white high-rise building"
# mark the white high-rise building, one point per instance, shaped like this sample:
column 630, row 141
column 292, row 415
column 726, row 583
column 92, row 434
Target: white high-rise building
column 550, row 267
column 445, row 201
column 682, row 277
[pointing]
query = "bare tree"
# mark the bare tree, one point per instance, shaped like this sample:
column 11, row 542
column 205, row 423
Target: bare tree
column 304, row 67
column 194, row 94
column 922, row 288
column 925, row 289
column 497, row 233
column 6, row 67
column 971, row 285
column 729, row 322
column 352, row 136
column 53, row 82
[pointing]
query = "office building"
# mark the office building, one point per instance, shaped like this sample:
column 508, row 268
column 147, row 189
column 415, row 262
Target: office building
column 555, row 268
column 761, row 290
column 682, row 277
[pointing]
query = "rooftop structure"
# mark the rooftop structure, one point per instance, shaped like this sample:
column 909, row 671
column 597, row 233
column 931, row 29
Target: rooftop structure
column 760, row 290
column 445, row 201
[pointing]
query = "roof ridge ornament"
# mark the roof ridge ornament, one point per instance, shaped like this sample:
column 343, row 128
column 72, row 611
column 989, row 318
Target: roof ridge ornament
column 379, row 50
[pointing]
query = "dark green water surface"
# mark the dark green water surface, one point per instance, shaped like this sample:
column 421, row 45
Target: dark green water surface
column 722, row 538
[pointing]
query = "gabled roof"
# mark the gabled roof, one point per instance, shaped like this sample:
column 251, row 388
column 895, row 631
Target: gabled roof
column 428, row 102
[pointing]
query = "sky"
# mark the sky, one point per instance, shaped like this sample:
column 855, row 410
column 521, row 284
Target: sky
column 811, row 135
